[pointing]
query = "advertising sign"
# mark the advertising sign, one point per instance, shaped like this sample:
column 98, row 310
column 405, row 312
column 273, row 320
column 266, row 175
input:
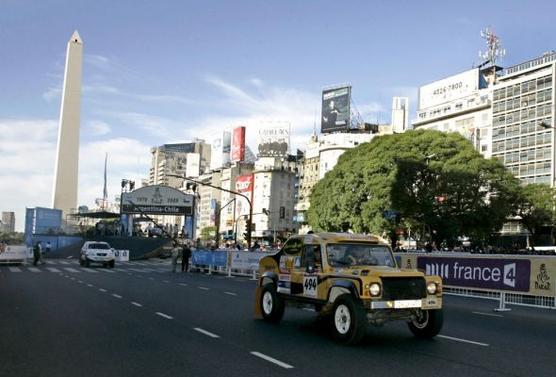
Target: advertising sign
column 220, row 151
column 449, row 89
column 238, row 144
column 209, row 258
column 244, row 185
column 193, row 165
column 335, row 109
column 121, row 255
column 246, row 260
column 486, row 273
column 14, row 253
column 157, row 199
column 212, row 214
column 274, row 141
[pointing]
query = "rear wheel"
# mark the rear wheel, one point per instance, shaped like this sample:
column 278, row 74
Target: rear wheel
column 427, row 323
column 349, row 320
column 272, row 305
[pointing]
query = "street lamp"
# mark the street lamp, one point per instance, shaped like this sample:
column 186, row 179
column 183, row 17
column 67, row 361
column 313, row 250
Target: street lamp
column 268, row 213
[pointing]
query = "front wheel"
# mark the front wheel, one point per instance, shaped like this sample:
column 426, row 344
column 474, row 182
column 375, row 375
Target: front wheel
column 427, row 323
column 272, row 305
column 349, row 320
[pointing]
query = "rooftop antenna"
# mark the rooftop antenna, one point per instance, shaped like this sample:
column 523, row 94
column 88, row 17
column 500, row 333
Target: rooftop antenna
column 493, row 52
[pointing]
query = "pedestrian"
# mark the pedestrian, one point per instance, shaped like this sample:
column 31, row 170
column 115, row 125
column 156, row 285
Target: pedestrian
column 175, row 254
column 37, row 253
column 185, row 255
column 47, row 249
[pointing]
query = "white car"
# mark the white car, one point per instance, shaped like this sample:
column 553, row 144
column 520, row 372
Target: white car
column 97, row 252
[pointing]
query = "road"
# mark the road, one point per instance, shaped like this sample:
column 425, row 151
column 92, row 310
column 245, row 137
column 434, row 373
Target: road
column 140, row 319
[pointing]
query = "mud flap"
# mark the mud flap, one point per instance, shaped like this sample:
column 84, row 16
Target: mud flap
column 257, row 309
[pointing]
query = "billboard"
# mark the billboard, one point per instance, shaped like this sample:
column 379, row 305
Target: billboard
column 238, row 144
column 193, row 165
column 158, row 200
column 274, row 141
column 449, row 89
column 335, row 109
column 244, row 185
column 220, row 151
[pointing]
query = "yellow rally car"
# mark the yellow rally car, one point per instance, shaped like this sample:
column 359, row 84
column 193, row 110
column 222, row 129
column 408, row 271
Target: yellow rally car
column 350, row 279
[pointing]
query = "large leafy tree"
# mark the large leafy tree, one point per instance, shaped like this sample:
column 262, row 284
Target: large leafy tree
column 537, row 208
column 437, row 183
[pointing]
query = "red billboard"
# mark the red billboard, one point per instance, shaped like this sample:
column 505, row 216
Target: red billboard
column 238, row 144
column 244, row 185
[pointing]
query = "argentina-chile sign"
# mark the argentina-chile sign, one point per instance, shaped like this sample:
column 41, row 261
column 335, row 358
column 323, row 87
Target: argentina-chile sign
column 157, row 200
column 484, row 273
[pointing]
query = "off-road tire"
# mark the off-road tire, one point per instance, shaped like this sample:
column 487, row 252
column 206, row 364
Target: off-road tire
column 272, row 305
column 348, row 320
column 429, row 326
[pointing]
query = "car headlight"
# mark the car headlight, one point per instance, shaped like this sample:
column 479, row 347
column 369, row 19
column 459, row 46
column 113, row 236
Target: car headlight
column 431, row 288
column 374, row 289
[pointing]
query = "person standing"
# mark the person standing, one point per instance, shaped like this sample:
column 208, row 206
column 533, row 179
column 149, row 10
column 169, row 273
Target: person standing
column 37, row 253
column 185, row 255
column 175, row 254
column 47, row 249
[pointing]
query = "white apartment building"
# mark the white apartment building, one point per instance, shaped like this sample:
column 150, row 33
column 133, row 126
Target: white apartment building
column 332, row 146
column 228, row 223
column 461, row 103
column 400, row 114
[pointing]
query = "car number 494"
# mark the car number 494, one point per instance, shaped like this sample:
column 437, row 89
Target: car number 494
column 310, row 286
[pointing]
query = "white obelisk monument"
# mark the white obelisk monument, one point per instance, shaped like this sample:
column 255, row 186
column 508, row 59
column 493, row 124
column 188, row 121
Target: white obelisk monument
column 67, row 158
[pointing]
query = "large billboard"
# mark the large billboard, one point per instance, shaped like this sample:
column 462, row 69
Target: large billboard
column 449, row 89
column 238, row 144
column 220, row 151
column 157, row 200
column 193, row 165
column 244, row 185
column 335, row 109
column 274, row 140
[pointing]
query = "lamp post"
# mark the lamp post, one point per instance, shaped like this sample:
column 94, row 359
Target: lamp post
column 268, row 213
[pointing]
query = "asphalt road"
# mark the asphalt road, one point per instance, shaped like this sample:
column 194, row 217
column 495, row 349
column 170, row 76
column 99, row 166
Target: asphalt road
column 140, row 319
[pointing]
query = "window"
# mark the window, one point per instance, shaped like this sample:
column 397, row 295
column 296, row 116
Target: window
column 359, row 254
column 312, row 257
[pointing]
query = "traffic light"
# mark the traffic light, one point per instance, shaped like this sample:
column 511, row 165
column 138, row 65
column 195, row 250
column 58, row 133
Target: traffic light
column 247, row 234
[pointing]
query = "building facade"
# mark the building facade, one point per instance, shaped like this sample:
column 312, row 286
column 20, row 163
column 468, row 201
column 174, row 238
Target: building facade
column 400, row 114
column 8, row 222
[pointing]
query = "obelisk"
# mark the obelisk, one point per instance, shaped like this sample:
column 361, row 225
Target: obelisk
column 67, row 158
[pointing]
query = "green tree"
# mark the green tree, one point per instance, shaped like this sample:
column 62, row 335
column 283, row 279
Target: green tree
column 537, row 209
column 437, row 182
column 208, row 233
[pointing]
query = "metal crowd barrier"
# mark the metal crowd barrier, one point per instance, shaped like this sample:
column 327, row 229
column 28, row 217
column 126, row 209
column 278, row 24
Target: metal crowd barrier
column 229, row 262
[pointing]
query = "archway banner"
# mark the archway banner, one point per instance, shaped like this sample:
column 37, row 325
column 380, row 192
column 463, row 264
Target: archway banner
column 157, row 200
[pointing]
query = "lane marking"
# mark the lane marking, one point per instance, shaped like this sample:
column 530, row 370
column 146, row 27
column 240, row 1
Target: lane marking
column 15, row 269
column 489, row 314
column 34, row 269
column 115, row 295
column 204, row 288
column 53, row 269
column 108, row 271
column 88, row 285
column 207, row 333
column 89, row 270
column 271, row 359
column 151, row 278
column 165, row 281
column 183, row 284
column 309, row 309
column 64, row 262
column 164, row 315
column 231, row 293
column 69, row 269
column 69, row 257
column 463, row 340
column 80, row 281
column 102, row 289
column 136, row 304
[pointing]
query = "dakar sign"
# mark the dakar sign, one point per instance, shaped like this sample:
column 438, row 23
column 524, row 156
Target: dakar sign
column 157, row 200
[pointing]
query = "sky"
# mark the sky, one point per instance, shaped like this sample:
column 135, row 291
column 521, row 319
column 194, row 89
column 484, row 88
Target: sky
column 163, row 71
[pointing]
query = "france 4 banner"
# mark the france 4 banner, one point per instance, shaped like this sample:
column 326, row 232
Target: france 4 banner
column 485, row 273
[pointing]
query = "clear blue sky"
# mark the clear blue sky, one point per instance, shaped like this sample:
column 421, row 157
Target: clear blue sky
column 163, row 71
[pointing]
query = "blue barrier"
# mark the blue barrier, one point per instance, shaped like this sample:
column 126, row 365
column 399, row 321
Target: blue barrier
column 209, row 258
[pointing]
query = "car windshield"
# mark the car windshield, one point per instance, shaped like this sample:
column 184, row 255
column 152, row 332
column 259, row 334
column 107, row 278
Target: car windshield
column 351, row 254
column 103, row 246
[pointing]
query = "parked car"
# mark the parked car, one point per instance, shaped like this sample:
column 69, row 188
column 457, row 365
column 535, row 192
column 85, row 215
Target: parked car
column 97, row 252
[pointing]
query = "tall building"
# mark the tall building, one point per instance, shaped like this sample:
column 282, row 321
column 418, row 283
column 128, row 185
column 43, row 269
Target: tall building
column 459, row 103
column 67, row 158
column 523, row 121
column 208, row 201
column 169, row 162
column 8, row 222
column 400, row 114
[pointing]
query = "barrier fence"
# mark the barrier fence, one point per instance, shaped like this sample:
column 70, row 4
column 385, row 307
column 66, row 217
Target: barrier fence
column 14, row 254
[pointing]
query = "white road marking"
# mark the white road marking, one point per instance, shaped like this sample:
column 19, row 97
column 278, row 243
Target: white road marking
column 183, row 284
column 15, row 269
column 489, row 314
column 89, row 270
column 69, row 269
column 109, row 271
column 64, row 262
column 204, row 288
column 115, row 295
column 271, row 359
column 102, row 289
column 136, row 304
column 231, row 293
column 34, row 269
column 164, row 315
column 151, row 278
column 89, row 285
column 69, row 257
column 309, row 309
column 463, row 340
column 53, row 269
column 207, row 333
column 165, row 281
column 80, row 281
